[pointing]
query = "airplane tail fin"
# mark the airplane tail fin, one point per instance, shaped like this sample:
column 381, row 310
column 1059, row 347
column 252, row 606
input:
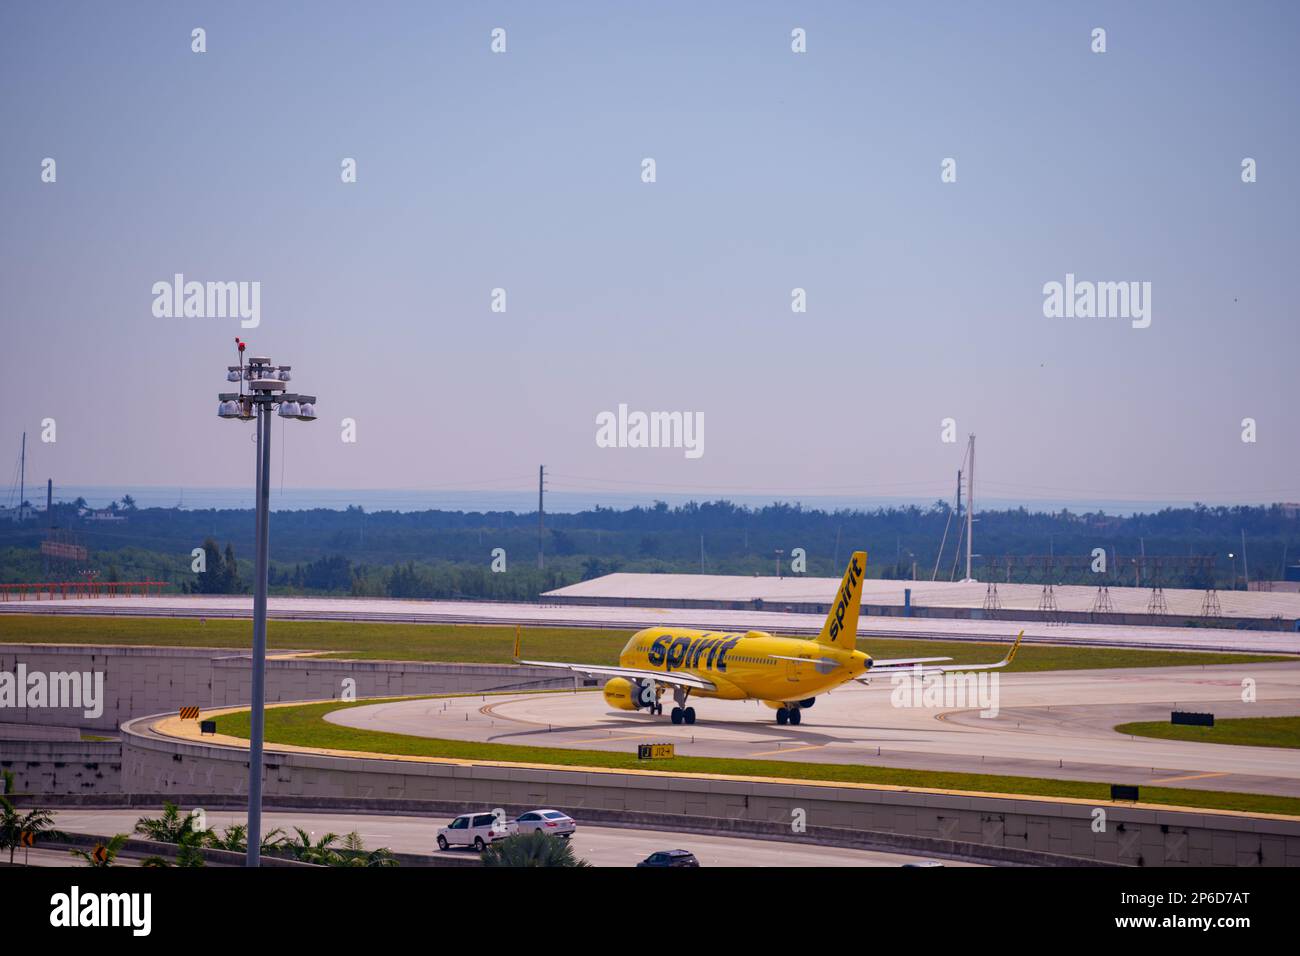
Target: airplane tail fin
column 841, row 627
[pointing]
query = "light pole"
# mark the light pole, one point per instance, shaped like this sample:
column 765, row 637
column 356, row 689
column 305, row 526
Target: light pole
column 261, row 391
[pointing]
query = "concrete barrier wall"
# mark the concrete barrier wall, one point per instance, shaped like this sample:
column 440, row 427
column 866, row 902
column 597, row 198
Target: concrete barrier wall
column 135, row 848
column 63, row 766
column 149, row 680
column 1133, row 836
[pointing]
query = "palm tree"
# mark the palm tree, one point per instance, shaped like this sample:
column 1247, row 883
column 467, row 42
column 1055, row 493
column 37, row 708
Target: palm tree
column 354, row 853
column 189, row 851
column 171, row 827
column 111, row 850
column 15, row 826
column 321, row 852
column 235, row 838
column 533, row 849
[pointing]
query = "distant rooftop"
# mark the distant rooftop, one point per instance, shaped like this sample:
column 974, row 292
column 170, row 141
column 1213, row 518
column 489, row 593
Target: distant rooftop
column 887, row 597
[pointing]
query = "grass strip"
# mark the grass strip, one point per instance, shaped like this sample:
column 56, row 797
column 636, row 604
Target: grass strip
column 305, row 726
column 488, row 644
column 1243, row 731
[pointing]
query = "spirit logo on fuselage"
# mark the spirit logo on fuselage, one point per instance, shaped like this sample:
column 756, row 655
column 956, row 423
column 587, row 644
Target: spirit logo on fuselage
column 846, row 594
column 683, row 652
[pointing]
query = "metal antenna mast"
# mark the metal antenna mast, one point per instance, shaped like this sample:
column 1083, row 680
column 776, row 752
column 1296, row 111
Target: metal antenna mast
column 541, row 481
column 970, row 504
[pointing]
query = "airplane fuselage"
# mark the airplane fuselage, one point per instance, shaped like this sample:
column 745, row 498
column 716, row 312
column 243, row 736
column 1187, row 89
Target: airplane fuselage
column 748, row 665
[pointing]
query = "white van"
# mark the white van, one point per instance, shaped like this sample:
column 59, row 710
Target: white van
column 476, row 830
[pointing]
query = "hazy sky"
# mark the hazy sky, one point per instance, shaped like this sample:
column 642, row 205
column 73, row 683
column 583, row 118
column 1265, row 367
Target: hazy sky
column 775, row 170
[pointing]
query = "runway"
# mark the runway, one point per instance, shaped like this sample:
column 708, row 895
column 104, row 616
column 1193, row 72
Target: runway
column 600, row 846
column 634, row 618
column 1055, row 725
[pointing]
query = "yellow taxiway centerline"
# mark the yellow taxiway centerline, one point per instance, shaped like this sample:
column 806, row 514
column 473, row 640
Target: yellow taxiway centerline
column 1191, row 776
column 787, row 750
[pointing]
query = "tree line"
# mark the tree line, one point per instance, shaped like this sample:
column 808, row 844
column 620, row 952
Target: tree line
column 447, row 554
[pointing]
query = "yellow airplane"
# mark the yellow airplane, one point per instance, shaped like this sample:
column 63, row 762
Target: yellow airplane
column 785, row 673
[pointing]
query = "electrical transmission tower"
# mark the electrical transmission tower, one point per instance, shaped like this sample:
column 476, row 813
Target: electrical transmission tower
column 991, row 603
column 1156, row 568
column 1047, row 604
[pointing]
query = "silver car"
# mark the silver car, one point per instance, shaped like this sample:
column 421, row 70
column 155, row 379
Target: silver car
column 552, row 822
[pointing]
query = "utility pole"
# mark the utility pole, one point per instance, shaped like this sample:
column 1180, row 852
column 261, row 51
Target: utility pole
column 22, row 478
column 701, row 554
column 257, row 725
column 959, row 497
column 541, row 479
column 961, row 533
column 1245, row 571
column 261, row 393
column 49, row 520
column 970, row 507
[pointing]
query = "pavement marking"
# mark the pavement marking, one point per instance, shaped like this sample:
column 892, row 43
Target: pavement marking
column 605, row 740
column 489, row 710
column 1191, row 776
column 787, row 750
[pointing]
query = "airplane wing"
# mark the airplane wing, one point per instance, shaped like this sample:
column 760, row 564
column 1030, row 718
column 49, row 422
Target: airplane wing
column 660, row 677
column 911, row 663
column 904, row 662
column 635, row 673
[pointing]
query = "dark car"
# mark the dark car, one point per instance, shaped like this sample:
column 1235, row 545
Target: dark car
column 670, row 858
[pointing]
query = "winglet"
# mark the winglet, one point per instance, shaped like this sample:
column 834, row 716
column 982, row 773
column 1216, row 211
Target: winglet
column 1011, row 654
column 519, row 637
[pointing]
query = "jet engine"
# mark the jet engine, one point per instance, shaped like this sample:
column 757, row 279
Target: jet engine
column 623, row 694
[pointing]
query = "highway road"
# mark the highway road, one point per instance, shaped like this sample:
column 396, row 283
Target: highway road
column 600, row 846
column 1055, row 724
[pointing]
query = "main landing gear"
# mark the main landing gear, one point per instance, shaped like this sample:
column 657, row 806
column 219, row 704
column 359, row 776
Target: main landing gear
column 788, row 714
column 681, row 714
